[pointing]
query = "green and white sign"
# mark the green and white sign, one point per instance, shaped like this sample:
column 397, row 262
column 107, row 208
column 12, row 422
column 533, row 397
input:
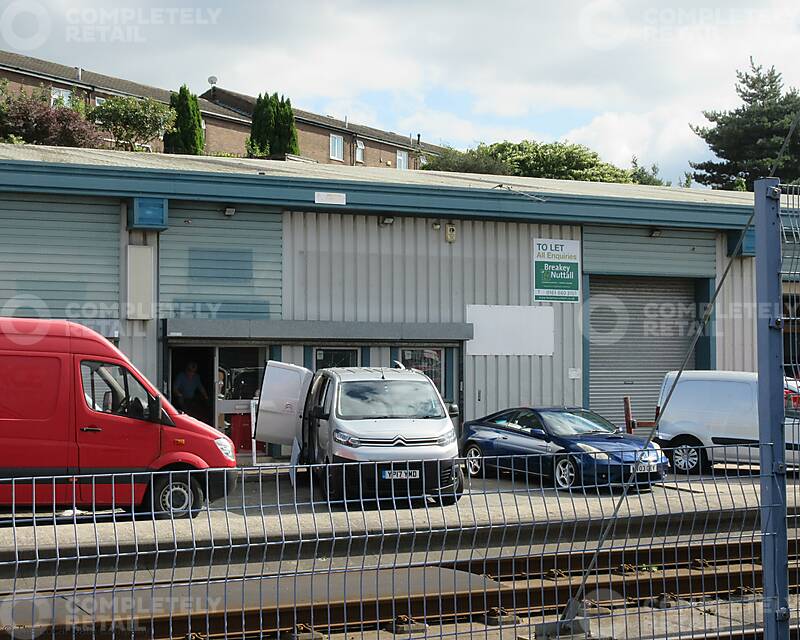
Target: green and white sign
column 556, row 270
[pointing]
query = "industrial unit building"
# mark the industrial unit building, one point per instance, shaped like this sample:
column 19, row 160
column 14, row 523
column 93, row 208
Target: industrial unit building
column 506, row 291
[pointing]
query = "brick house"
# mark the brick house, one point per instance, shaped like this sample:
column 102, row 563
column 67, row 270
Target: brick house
column 226, row 116
column 332, row 141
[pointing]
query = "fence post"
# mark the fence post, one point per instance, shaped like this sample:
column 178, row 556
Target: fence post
column 775, row 575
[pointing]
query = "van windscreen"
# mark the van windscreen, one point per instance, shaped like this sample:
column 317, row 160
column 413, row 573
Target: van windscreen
column 372, row 399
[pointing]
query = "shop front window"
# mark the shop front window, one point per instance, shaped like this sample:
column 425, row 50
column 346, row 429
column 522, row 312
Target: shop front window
column 429, row 361
column 335, row 357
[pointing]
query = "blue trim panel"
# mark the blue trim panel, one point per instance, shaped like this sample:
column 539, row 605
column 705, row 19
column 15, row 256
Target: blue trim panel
column 705, row 355
column 586, row 342
column 748, row 248
column 308, row 357
column 362, row 196
column 449, row 366
column 364, row 356
column 394, row 354
column 275, row 352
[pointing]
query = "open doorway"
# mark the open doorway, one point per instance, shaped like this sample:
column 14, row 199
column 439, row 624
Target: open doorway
column 192, row 381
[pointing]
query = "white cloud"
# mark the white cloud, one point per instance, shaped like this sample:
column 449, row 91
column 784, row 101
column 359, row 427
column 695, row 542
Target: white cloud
column 659, row 136
column 637, row 71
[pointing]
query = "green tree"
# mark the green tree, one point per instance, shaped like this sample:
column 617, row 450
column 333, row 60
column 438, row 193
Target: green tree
column 478, row 160
column 187, row 136
column 261, row 124
column 557, row 160
column 273, row 130
column 133, row 122
column 642, row 175
column 746, row 141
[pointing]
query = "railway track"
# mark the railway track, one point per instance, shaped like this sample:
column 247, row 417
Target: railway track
column 352, row 598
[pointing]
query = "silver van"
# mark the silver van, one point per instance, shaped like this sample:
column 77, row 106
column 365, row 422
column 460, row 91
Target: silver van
column 712, row 417
column 339, row 417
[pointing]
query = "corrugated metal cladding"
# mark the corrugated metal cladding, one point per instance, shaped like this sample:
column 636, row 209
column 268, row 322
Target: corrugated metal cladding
column 222, row 266
column 640, row 328
column 734, row 314
column 62, row 253
column 352, row 268
column 632, row 251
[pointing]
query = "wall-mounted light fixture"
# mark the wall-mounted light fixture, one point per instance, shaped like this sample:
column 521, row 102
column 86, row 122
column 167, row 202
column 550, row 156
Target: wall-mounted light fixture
column 655, row 233
column 436, row 226
column 386, row 221
column 230, row 211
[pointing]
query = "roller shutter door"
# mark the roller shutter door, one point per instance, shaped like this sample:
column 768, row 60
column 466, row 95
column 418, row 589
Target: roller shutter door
column 215, row 266
column 640, row 328
column 60, row 257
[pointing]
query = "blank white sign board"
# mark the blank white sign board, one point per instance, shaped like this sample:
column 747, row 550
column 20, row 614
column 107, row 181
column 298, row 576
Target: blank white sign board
column 511, row 331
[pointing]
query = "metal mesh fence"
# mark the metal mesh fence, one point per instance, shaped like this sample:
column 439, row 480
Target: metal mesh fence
column 340, row 551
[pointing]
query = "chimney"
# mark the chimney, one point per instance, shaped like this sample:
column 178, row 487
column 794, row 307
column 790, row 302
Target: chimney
column 345, row 122
column 419, row 136
column 78, row 73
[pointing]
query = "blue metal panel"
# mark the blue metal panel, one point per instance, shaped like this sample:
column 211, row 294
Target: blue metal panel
column 364, row 356
column 586, row 341
column 308, row 357
column 449, row 371
column 646, row 251
column 705, row 355
column 60, row 257
column 220, row 267
column 394, row 355
column 748, row 247
column 365, row 196
column 148, row 213
column 771, row 432
column 275, row 352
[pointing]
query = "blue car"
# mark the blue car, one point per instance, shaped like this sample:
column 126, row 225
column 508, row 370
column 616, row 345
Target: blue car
column 571, row 447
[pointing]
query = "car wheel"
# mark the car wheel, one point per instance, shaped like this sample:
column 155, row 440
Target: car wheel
column 473, row 458
column 565, row 473
column 450, row 497
column 688, row 456
column 175, row 495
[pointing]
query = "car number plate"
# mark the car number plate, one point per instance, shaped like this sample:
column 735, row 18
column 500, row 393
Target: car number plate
column 400, row 474
column 645, row 467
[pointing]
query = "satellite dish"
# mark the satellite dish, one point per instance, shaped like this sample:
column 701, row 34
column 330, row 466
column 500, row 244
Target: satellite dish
column 212, row 80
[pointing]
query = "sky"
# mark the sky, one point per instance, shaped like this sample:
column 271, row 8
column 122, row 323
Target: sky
column 624, row 77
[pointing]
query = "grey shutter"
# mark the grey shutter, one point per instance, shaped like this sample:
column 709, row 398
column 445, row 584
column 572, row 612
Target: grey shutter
column 640, row 329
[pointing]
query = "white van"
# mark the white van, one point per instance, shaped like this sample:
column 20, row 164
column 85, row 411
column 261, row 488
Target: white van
column 712, row 417
column 393, row 417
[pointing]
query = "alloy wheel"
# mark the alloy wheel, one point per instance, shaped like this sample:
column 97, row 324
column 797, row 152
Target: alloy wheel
column 564, row 473
column 474, row 461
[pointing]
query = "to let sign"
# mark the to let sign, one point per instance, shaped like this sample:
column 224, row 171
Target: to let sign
column 556, row 270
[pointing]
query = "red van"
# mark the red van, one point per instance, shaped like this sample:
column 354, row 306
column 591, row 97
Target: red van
column 80, row 426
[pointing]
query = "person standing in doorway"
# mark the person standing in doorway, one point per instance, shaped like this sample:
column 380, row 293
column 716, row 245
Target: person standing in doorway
column 189, row 393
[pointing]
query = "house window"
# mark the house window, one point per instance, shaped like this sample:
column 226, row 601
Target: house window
column 60, row 96
column 359, row 151
column 402, row 159
column 337, row 147
column 98, row 101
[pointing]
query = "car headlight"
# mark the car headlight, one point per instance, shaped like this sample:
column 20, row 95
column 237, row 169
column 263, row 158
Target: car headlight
column 346, row 439
column 226, row 448
column 594, row 452
column 447, row 438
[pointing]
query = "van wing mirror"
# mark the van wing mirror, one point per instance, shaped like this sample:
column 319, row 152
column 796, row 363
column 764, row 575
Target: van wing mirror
column 453, row 410
column 154, row 410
